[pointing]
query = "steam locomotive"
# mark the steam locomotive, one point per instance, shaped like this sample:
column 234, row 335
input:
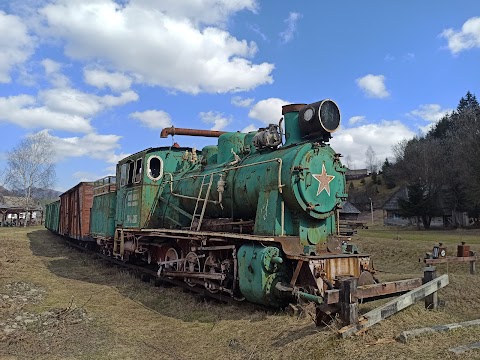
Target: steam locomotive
column 254, row 217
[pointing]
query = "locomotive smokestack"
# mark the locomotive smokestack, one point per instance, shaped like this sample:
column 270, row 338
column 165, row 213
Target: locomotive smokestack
column 292, row 129
column 189, row 132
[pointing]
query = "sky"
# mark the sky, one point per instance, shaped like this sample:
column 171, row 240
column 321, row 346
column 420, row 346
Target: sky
column 103, row 77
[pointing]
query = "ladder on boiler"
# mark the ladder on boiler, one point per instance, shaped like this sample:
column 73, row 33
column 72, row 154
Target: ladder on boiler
column 196, row 214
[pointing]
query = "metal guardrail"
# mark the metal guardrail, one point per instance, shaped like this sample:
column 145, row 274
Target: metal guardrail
column 105, row 185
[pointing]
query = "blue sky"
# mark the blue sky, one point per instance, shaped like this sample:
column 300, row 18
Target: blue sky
column 103, row 77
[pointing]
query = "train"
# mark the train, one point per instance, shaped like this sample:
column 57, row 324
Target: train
column 254, row 217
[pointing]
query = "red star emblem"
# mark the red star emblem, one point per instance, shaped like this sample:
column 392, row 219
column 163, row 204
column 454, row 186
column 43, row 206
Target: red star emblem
column 323, row 181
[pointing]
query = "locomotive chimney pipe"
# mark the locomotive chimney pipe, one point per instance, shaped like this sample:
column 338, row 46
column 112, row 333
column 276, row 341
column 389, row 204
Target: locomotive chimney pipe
column 292, row 129
column 189, row 132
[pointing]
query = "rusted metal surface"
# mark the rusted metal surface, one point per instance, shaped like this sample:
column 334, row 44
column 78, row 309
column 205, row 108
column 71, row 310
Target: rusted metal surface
column 387, row 288
column 292, row 107
column 366, row 278
column 75, row 205
column 463, row 250
column 105, row 185
column 200, row 275
column 189, row 132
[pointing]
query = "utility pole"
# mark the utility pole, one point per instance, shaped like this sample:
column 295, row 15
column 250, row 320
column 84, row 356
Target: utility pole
column 371, row 208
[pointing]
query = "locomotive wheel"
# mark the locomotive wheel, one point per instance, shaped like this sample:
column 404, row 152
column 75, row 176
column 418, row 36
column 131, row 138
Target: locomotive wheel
column 191, row 264
column 211, row 266
column 170, row 255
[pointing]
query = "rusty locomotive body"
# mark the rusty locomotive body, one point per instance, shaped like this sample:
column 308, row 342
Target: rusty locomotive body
column 254, row 217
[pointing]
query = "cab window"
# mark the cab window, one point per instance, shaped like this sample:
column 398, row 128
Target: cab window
column 123, row 174
column 138, row 170
column 131, row 171
column 155, row 167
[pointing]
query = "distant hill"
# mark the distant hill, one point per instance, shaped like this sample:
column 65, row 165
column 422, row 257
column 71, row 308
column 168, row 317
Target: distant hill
column 361, row 191
column 39, row 194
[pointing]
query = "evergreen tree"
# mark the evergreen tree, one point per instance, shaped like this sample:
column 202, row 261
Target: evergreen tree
column 468, row 103
column 388, row 174
column 422, row 203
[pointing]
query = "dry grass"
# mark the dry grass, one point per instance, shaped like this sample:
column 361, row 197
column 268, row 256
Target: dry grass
column 132, row 319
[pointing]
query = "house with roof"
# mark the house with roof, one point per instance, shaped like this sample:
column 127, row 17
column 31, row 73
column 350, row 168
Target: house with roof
column 348, row 212
column 447, row 217
column 14, row 212
column 353, row 174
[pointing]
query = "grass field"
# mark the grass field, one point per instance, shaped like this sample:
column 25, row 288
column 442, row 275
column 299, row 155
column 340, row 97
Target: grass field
column 128, row 319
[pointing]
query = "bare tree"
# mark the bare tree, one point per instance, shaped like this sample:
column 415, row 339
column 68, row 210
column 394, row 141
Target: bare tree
column 30, row 167
column 2, row 183
column 371, row 161
column 348, row 160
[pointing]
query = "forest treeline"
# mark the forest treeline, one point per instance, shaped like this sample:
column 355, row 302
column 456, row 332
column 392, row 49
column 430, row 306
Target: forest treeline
column 442, row 167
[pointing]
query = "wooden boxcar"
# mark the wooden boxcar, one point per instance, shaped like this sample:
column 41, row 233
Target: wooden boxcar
column 102, row 218
column 52, row 213
column 75, row 205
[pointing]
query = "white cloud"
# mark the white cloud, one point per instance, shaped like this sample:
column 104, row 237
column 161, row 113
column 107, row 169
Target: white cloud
column 389, row 57
column 466, row 38
column 16, row 44
column 154, row 119
column 53, row 73
column 61, row 108
column 142, row 38
column 23, row 110
column 291, row 29
column 249, row 128
column 102, row 79
column 373, row 86
column 256, row 29
column 96, row 146
column 241, row 102
column 50, row 66
column 213, row 12
column 216, row 118
column 268, row 111
column 356, row 119
column 381, row 136
column 429, row 112
column 75, row 102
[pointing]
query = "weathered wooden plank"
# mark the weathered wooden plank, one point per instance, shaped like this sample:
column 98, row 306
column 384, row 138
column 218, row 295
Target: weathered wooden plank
column 394, row 306
column 461, row 349
column 332, row 296
column 296, row 272
column 393, row 287
column 410, row 334
column 450, row 259
column 348, row 301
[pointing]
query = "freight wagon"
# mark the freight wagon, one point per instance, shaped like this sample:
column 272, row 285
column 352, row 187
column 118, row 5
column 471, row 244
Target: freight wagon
column 75, row 205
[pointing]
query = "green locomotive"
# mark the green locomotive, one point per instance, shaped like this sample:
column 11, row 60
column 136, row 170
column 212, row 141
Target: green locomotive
column 253, row 217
